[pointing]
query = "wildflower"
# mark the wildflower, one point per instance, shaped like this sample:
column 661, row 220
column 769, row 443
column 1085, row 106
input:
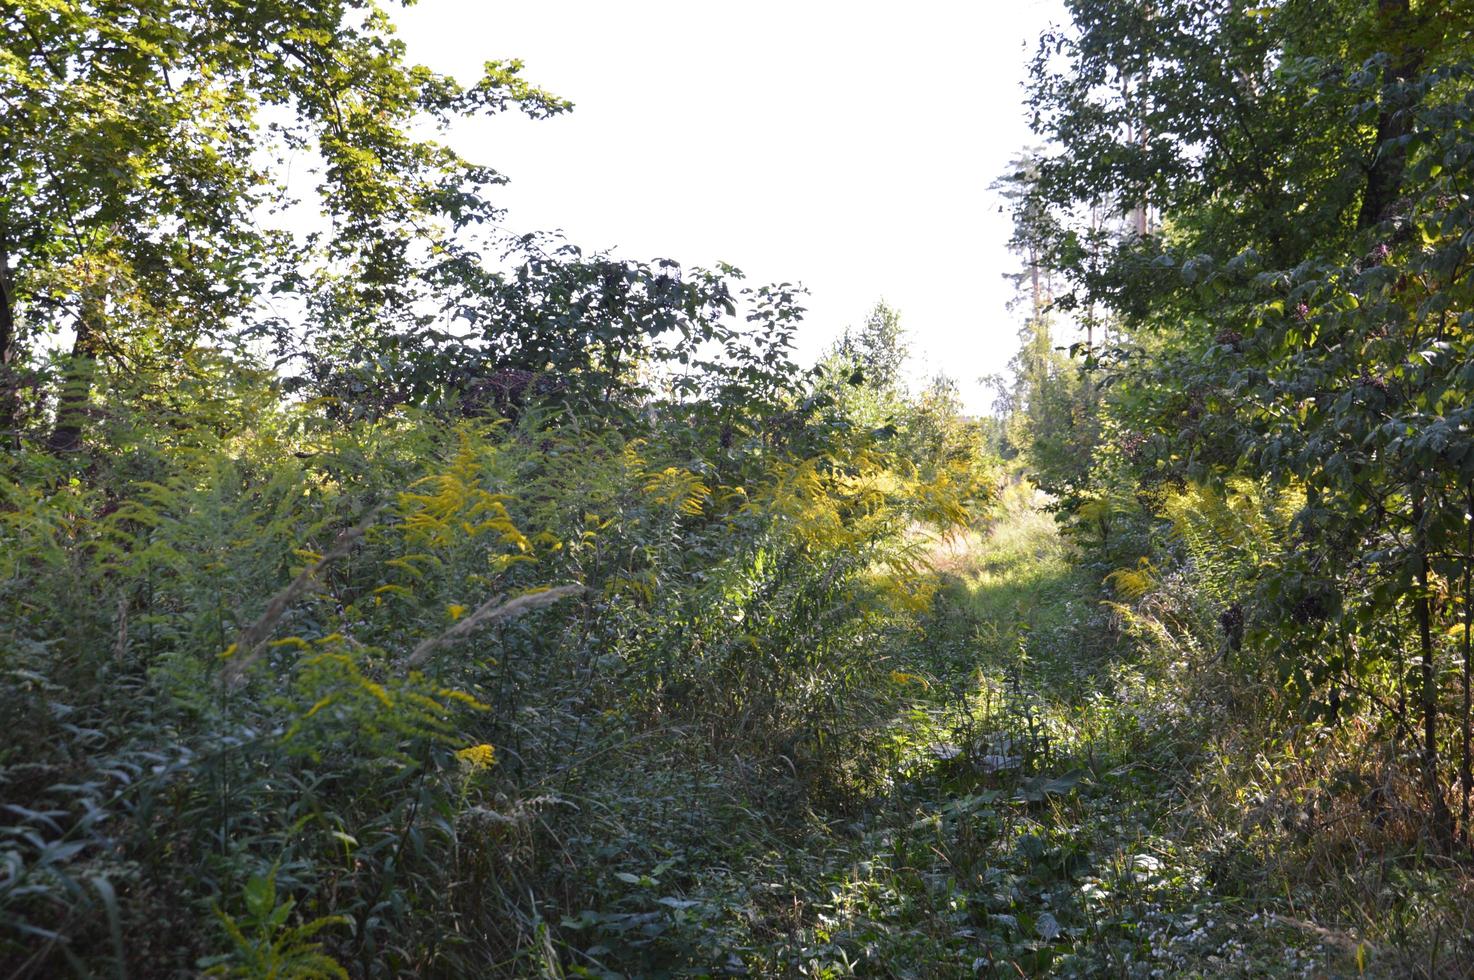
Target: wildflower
column 481, row 756
column 902, row 678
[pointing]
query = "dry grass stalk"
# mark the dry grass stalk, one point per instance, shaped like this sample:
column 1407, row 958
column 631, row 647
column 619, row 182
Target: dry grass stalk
column 120, row 647
column 489, row 611
column 248, row 647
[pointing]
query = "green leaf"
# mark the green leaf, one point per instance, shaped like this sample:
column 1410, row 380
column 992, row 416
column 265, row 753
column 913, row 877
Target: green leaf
column 260, row 894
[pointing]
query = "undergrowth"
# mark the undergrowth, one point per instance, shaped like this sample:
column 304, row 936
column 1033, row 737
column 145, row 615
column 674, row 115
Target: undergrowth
column 1078, row 788
column 412, row 696
column 474, row 698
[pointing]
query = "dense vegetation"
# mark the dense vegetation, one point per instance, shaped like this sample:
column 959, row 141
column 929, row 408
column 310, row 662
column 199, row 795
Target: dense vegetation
column 385, row 593
column 1262, row 214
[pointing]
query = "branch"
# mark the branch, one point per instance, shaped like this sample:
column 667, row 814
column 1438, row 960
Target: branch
column 248, row 648
column 489, row 611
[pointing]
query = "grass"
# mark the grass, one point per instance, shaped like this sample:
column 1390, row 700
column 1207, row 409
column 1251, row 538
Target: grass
column 1064, row 787
column 1072, row 791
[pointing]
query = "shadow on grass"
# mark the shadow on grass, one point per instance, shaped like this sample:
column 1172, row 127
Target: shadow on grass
column 1031, row 822
column 1029, row 829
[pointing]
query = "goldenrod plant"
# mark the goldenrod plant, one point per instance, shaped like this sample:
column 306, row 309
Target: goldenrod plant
column 378, row 675
column 389, row 592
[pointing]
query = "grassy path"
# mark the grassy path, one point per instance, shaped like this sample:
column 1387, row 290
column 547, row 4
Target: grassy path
column 1039, row 822
column 1073, row 791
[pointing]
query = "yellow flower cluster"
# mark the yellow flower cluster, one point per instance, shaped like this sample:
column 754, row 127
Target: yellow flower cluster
column 481, row 756
column 1133, row 583
column 679, row 488
column 455, row 507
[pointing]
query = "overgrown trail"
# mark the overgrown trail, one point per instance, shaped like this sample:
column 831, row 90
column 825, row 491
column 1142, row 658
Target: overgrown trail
column 1051, row 811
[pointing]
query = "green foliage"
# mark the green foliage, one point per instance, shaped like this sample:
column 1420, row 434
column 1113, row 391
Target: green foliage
column 383, row 667
column 1231, row 535
column 1050, row 412
column 128, row 123
column 266, row 947
column 876, row 349
column 548, row 619
column 1293, row 333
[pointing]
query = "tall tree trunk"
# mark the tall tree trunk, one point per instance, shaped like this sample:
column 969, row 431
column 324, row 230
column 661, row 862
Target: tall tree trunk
column 9, row 354
column 1438, row 812
column 1038, row 306
column 1136, row 132
column 76, row 387
column 1401, row 708
column 1395, row 23
column 1466, row 776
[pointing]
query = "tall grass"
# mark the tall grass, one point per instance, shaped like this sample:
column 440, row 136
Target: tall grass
column 415, row 696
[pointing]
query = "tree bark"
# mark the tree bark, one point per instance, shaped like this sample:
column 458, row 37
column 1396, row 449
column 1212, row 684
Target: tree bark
column 1439, row 816
column 1466, row 769
column 1388, row 160
column 9, row 354
column 76, row 388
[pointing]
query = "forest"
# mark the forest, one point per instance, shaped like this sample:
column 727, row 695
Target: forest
column 388, row 592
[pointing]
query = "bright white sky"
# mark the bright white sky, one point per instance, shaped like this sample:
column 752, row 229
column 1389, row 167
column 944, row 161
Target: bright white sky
column 848, row 146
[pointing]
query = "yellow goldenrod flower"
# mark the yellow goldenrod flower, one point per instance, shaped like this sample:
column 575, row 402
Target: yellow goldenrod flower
column 481, row 756
column 899, row 677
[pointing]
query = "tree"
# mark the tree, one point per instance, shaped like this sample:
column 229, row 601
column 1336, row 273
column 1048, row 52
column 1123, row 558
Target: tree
column 1302, row 315
column 877, row 347
column 1049, row 409
column 143, row 140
